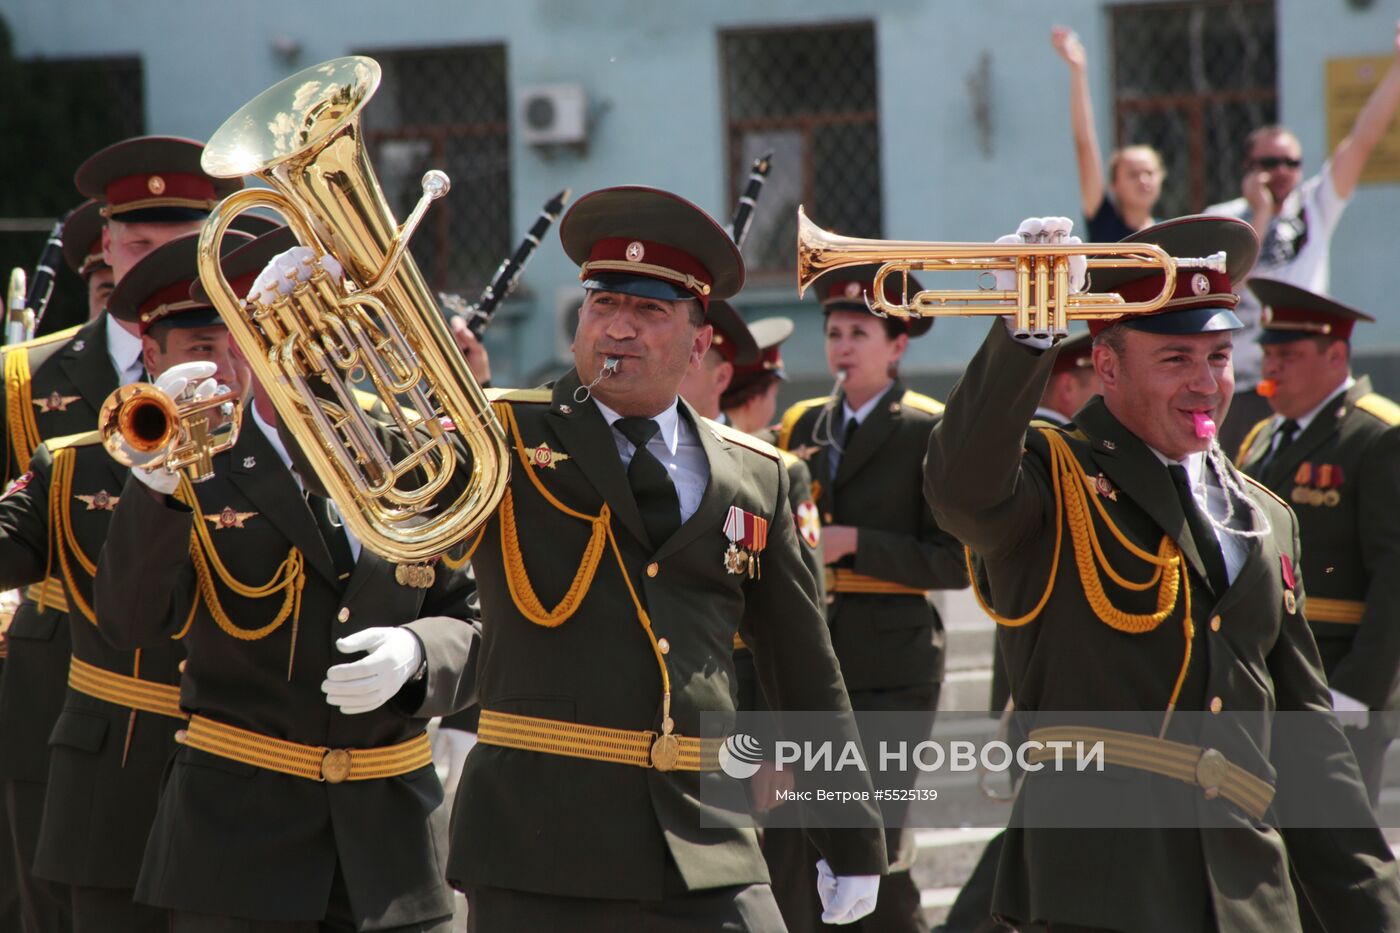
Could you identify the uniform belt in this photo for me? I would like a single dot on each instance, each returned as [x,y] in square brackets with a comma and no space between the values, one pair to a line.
[596,743]
[845,580]
[313,762]
[48,593]
[1346,611]
[1205,767]
[132,692]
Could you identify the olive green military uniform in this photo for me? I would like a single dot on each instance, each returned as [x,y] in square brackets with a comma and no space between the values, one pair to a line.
[261,604]
[990,481]
[53,387]
[580,843]
[119,715]
[1342,476]
[887,634]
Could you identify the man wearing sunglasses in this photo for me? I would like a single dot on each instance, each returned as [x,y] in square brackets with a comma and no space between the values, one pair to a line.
[1295,218]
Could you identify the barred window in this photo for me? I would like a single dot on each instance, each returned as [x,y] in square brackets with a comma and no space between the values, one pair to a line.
[446,108]
[1192,79]
[808,95]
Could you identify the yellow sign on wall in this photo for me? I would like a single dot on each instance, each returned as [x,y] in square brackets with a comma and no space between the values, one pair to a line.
[1350,82]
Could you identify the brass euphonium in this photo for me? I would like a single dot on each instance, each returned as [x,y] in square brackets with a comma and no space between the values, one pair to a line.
[303,137]
[143,427]
[1042,302]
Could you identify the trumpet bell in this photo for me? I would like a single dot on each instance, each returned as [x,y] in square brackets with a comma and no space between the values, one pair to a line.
[137,423]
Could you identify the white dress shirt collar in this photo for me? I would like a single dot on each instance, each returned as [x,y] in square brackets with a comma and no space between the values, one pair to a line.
[124,350]
[1307,419]
[668,421]
[858,415]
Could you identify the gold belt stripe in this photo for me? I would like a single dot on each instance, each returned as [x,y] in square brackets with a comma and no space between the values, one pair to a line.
[845,580]
[312,762]
[131,692]
[49,594]
[1345,611]
[596,743]
[1204,767]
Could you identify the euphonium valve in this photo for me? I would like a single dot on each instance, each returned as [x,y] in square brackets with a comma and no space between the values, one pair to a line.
[380,326]
[1042,302]
[143,428]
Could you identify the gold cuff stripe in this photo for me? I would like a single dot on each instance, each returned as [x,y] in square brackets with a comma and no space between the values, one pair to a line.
[596,743]
[132,692]
[844,580]
[49,594]
[306,761]
[1345,611]
[1175,760]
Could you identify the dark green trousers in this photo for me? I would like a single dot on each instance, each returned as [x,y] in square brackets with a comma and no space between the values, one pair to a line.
[741,909]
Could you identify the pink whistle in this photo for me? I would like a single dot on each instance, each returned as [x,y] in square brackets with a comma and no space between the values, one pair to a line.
[1205,427]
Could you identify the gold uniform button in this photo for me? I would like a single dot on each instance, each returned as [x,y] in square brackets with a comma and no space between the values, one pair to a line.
[653,569]
[1216,704]
[663,646]
[182,666]
[1215,623]
[344,614]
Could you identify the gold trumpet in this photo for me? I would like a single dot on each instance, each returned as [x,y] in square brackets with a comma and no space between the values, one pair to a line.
[142,427]
[379,325]
[1042,302]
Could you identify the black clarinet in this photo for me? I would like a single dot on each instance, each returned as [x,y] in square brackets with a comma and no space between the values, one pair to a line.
[508,273]
[743,214]
[25,319]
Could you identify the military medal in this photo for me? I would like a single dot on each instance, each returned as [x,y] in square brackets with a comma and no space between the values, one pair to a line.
[545,457]
[418,576]
[1290,602]
[748,535]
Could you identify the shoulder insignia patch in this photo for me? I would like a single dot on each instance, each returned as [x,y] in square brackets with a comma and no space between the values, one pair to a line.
[920,402]
[84,439]
[809,523]
[1379,407]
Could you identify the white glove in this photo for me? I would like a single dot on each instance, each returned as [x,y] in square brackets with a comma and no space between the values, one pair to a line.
[845,898]
[182,383]
[1042,230]
[287,270]
[450,748]
[1350,711]
[360,686]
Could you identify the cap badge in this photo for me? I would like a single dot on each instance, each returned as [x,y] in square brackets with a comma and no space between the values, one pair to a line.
[156,185]
[79,346]
[852,289]
[635,251]
[249,462]
[1200,284]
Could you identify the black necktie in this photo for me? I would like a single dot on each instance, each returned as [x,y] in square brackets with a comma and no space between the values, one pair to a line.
[651,484]
[847,432]
[1201,531]
[333,534]
[1286,432]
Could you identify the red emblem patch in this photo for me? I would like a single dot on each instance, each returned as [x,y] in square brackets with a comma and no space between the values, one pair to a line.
[20,482]
[809,523]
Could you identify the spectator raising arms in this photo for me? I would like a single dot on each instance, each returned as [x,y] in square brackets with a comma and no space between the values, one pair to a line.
[1135,173]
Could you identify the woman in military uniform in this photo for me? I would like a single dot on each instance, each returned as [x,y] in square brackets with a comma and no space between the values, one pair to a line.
[883,551]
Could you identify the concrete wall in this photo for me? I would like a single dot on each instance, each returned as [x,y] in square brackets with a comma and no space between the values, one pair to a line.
[654,65]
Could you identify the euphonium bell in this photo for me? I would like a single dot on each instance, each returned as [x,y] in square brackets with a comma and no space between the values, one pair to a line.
[142,427]
[379,325]
[1042,302]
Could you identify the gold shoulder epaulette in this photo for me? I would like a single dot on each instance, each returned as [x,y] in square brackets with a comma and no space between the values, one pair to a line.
[1046,425]
[735,436]
[532,396]
[1248,441]
[1380,407]
[82,439]
[58,336]
[1265,489]
[791,416]
[920,402]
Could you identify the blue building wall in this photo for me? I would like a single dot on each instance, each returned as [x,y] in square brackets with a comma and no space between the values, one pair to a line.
[654,65]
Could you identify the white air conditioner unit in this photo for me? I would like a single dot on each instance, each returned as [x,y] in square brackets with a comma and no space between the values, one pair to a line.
[552,114]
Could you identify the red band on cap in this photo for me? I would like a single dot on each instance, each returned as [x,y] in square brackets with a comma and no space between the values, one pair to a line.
[158,189]
[1195,288]
[243,285]
[650,260]
[1308,321]
[165,301]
